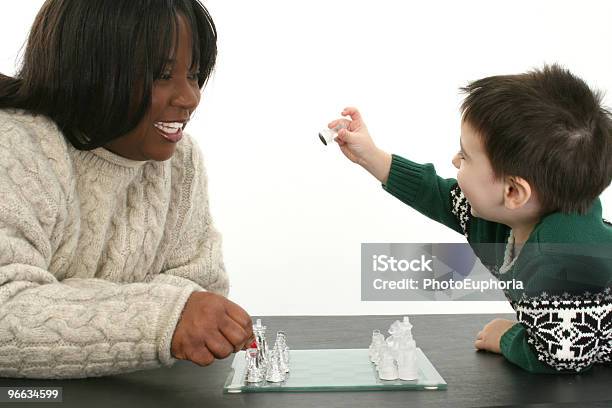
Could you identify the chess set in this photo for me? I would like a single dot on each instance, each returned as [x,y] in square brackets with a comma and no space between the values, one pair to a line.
[392,363]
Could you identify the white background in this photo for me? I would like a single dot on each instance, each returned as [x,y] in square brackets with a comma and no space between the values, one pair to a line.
[293,213]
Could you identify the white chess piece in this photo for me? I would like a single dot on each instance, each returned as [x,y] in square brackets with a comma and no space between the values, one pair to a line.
[282,363]
[254,372]
[274,372]
[406,360]
[328,135]
[259,331]
[281,345]
[387,370]
[378,340]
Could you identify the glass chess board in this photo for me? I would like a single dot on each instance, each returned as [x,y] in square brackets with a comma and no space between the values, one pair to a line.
[332,370]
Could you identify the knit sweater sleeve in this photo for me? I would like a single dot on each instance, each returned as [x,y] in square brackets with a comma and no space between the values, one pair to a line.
[420,187]
[560,330]
[440,199]
[196,259]
[70,328]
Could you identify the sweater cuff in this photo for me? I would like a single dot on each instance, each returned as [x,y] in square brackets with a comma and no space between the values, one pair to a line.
[405,179]
[508,338]
[168,324]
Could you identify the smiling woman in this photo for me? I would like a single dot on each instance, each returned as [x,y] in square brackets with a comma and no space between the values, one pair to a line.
[109,261]
[95,68]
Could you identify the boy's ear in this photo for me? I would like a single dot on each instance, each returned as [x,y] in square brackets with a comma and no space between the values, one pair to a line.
[517,192]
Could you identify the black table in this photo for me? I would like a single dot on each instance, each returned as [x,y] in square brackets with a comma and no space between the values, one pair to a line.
[475,379]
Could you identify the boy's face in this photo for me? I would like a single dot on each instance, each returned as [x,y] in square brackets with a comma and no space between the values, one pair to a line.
[476,178]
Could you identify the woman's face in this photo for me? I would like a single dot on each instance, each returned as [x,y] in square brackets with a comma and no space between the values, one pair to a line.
[174,98]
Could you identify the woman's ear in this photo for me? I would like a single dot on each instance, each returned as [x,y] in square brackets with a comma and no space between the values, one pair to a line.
[517,192]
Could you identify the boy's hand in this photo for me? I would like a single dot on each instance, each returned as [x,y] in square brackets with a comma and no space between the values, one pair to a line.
[490,336]
[357,145]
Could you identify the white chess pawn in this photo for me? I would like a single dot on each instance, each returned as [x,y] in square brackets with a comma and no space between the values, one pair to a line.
[387,370]
[378,340]
[328,135]
[254,372]
[406,361]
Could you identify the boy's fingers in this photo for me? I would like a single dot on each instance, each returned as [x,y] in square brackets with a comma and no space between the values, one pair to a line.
[352,112]
[479,344]
[345,135]
[339,122]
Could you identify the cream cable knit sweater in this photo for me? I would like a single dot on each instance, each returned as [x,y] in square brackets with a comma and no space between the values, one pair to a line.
[98,253]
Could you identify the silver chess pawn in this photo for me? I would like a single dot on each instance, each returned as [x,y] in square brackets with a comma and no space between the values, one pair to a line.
[282,362]
[254,372]
[274,372]
[281,345]
[378,340]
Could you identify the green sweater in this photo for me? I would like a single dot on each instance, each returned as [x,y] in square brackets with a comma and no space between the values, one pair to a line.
[565,310]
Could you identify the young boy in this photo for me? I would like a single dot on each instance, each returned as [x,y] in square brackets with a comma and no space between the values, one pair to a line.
[536,152]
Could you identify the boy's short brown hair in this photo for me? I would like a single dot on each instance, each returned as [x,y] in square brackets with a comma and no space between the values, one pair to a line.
[548,127]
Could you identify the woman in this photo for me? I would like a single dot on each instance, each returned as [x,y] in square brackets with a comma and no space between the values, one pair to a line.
[109,261]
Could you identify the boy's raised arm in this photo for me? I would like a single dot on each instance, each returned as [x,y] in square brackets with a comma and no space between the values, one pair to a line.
[415,184]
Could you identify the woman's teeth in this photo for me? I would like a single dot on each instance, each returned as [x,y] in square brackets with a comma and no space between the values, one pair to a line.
[168,127]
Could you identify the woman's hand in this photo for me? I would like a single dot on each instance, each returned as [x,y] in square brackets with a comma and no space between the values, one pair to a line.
[490,336]
[357,145]
[210,327]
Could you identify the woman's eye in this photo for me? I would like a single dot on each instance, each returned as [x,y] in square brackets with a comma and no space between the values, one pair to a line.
[165,76]
[194,76]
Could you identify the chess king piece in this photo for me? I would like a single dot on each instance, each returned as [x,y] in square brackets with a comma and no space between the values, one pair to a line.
[259,331]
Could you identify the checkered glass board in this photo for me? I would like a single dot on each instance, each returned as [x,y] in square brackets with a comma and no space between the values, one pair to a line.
[332,370]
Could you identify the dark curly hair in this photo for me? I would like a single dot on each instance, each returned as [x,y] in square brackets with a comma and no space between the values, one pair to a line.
[548,127]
